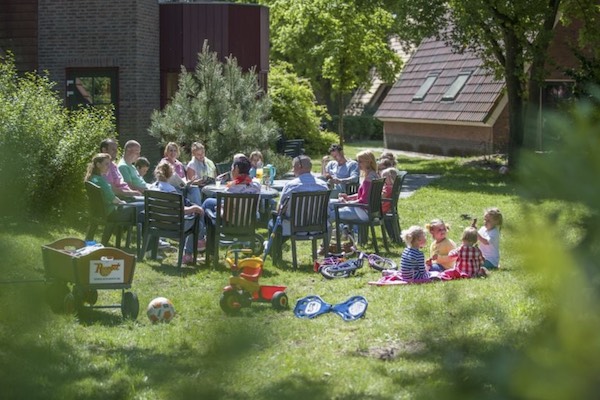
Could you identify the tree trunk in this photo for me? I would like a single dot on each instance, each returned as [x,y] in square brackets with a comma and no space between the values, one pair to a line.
[514,73]
[341,117]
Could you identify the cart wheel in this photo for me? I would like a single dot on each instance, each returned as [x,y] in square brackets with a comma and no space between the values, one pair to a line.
[55,296]
[90,296]
[130,306]
[230,302]
[280,301]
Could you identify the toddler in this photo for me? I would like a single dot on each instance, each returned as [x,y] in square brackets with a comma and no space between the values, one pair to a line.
[412,261]
[469,260]
[256,161]
[390,175]
[489,237]
[440,247]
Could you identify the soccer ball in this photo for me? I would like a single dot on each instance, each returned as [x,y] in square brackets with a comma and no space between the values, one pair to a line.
[160,310]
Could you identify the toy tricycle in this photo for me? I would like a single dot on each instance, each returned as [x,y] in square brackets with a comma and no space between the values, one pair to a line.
[243,288]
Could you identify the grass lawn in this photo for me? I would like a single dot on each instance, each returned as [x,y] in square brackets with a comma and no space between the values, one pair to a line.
[445,340]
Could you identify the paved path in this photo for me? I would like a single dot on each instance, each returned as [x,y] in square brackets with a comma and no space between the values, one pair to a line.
[412,182]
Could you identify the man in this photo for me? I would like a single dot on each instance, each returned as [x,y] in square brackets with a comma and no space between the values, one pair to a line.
[113,176]
[131,152]
[339,171]
[304,181]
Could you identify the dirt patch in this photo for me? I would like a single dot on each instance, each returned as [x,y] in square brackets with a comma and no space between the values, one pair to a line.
[392,350]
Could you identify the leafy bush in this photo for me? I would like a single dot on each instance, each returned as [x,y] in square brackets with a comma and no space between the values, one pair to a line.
[359,127]
[296,111]
[44,148]
[220,106]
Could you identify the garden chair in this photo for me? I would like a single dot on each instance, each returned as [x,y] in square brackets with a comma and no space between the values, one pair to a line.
[98,216]
[165,218]
[375,217]
[352,187]
[234,222]
[307,221]
[391,219]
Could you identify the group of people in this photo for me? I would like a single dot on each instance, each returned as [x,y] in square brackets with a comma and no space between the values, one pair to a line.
[122,184]
[477,254]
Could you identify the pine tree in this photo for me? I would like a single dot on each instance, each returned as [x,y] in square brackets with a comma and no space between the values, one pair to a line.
[220,106]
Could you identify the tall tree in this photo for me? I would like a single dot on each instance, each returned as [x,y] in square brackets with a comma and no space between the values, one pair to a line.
[334,43]
[512,37]
[219,105]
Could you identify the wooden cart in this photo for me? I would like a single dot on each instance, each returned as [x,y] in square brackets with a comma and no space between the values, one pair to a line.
[75,273]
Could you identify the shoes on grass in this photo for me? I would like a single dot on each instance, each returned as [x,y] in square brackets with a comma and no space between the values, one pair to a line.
[162,244]
[188,259]
[201,244]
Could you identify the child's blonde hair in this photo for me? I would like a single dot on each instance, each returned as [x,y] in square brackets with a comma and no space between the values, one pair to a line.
[256,153]
[197,146]
[163,171]
[393,172]
[436,222]
[496,216]
[411,234]
[469,235]
[388,155]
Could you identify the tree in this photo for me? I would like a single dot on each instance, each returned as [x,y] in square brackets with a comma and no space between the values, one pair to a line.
[295,108]
[511,37]
[334,43]
[218,105]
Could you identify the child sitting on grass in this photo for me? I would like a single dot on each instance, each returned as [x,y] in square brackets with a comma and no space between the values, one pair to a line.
[440,247]
[489,237]
[469,260]
[412,261]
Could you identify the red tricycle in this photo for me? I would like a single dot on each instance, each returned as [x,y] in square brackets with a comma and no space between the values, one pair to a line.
[243,288]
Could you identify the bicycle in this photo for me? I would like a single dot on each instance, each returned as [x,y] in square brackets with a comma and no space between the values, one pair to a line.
[344,268]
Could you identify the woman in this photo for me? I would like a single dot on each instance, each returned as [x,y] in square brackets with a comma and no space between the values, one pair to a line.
[368,169]
[95,171]
[200,170]
[241,182]
[192,193]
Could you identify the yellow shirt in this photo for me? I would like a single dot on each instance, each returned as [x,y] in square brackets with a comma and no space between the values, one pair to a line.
[442,249]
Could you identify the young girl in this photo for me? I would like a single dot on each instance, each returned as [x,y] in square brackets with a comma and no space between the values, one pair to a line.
[162,173]
[412,261]
[469,260]
[390,175]
[256,161]
[440,247]
[489,237]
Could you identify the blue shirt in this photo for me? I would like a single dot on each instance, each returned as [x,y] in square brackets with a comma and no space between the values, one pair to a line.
[306,182]
[412,265]
[347,173]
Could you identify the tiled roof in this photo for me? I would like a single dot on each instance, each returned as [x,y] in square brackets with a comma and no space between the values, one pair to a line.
[473,104]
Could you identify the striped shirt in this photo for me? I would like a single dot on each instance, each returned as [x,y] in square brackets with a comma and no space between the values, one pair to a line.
[412,265]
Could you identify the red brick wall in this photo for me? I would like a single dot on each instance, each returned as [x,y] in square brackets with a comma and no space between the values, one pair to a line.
[107,33]
[18,32]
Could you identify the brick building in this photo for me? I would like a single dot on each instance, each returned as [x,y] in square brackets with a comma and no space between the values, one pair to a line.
[128,52]
[447,103]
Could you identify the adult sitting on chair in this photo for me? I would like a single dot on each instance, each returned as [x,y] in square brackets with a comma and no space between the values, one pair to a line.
[131,152]
[95,174]
[339,171]
[162,173]
[241,183]
[304,181]
[113,176]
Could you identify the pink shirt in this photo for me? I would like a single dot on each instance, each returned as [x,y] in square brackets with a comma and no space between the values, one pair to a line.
[178,167]
[114,177]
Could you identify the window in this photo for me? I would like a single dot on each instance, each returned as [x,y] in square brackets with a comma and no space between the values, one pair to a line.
[422,92]
[97,87]
[456,86]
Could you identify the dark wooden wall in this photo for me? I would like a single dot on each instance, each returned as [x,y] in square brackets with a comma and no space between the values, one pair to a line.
[18,32]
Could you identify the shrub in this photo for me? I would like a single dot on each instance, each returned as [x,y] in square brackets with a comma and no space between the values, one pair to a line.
[295,109]
[44,148]
[359,127]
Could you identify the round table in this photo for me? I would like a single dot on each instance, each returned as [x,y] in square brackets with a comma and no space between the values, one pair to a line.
[213,189]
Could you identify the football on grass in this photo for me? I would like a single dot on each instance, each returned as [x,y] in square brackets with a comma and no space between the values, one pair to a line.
[160,310]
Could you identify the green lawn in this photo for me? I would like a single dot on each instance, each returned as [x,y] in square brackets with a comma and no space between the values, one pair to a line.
[484,338]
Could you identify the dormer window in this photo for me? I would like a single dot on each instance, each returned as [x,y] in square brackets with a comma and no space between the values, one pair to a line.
[422,92]
[456,86]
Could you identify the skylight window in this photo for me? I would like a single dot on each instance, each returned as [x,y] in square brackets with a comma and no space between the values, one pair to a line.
[456,86]
[422,92]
